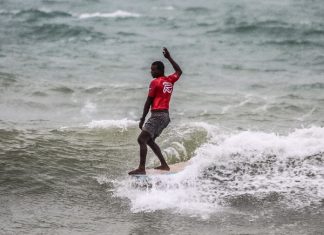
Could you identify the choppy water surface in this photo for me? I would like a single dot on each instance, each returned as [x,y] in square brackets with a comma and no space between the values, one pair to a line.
[247,114]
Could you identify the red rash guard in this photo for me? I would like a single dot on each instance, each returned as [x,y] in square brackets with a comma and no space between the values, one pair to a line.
[161,89]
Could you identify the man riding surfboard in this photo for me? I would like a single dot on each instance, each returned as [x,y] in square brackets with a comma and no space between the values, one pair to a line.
[158,99]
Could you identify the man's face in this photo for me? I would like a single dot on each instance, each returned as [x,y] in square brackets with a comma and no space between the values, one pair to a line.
[155,72]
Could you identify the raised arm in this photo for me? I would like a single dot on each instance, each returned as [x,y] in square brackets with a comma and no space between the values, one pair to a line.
[167,55]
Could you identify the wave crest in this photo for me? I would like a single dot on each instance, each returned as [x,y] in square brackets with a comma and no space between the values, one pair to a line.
[116,14]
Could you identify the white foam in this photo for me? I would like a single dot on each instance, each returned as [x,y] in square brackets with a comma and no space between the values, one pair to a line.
[167,193]
[115,14]
[233,164]
[122,123]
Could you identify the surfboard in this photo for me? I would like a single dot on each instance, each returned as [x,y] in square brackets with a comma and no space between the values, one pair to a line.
[152,176]
[174,168]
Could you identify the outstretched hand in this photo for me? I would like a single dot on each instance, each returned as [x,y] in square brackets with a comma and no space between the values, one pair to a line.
[166,53]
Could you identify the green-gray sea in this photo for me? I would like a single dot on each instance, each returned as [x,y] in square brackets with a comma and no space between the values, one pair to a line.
[247,114]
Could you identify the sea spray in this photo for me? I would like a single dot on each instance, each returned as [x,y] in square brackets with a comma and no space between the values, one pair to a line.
[232,168]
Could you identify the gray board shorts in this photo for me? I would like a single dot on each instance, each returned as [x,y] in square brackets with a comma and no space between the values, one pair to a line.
[156,123]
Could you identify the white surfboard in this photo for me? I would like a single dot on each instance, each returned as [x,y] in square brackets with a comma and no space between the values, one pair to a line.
[174,168]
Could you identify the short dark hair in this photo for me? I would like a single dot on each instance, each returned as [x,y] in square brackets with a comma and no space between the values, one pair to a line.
[159,65]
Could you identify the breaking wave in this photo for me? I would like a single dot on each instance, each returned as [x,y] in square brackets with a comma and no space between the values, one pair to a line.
[237,169]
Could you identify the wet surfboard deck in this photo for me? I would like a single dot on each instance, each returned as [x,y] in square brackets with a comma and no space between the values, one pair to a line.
[174,168]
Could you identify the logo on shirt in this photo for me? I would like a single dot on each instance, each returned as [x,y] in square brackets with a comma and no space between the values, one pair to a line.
[167,87]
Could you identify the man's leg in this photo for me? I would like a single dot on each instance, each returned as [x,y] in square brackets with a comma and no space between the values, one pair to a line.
[156,149]
[142,140]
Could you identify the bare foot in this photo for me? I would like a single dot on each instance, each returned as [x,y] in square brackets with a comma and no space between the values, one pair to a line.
[163,168]
[138,171]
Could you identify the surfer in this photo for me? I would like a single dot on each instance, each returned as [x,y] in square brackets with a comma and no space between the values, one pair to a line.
[158,99]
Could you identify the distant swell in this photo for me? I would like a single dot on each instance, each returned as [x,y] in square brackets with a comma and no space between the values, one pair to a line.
[270,28]
[294,42]
[197,9]
[63,89]
[36,13]
[31,15]
[310,86]
[53,32]
[7,79]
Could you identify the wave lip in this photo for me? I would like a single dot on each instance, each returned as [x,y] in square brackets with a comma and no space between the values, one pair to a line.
[115,14]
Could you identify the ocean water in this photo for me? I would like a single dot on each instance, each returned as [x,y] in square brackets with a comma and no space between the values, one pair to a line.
[247,114]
